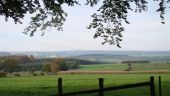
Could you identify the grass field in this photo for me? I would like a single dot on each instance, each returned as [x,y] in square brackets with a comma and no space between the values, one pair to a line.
[47,85]
[102,67]
[122,67]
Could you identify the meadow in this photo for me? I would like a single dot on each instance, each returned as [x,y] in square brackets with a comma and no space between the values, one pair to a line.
[122,67]
[47,85]
[103,67]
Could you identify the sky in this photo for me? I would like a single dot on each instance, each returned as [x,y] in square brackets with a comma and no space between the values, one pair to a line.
[144,33]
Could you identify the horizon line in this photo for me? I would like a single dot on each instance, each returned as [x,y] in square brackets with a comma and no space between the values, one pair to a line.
[87,50]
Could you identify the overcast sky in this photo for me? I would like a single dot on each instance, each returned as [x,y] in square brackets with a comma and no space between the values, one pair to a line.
[145,33]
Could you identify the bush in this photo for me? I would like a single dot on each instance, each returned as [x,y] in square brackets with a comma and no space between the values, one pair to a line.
[128,69]
[17,75]
[42,74]
[133,62]
[34,74]
[3,74]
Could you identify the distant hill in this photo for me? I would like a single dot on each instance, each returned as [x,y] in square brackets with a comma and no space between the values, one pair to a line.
[83,52]
[107,58]
[99,55]
[5,53]
[102,55]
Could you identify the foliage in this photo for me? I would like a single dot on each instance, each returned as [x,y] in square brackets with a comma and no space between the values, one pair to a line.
[3,74]
[1,65]
[46,68]
[34,74]
[63,66]
[139,61]
[24,59]
[21,59]
[17,75]
[49,13]
[25,63]
[129,67]
[72,63]
[10,65]
[55,65]
[52,66]
[67,65]
[42,74]
[112,13]
[29,63]
[60,64]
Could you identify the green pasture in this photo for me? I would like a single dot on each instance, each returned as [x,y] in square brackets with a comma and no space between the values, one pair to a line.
[122,67]
[152,66]
[103,67]
[47,85]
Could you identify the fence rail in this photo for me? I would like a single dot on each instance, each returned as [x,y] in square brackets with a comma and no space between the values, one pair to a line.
[101,88]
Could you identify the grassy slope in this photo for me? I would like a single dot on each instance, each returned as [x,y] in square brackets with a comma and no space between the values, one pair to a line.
[47,85]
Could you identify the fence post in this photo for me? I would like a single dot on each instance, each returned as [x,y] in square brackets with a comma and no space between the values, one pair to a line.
[101,91]
[152,86]
[60,90]
[160,86]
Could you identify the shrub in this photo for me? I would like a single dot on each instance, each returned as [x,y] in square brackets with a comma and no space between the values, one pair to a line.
[3,74]
[42,74]
[17,75]
[138,61]
[128,69]
[34,74]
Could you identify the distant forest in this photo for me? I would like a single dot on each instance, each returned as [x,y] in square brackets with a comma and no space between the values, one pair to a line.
[36,61]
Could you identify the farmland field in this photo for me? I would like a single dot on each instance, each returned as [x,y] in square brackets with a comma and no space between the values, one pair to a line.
[47,85]
[122,67]
[102,67]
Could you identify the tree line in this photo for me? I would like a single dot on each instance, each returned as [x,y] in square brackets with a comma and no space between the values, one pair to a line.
[11,64]
[133,61]
[14,63]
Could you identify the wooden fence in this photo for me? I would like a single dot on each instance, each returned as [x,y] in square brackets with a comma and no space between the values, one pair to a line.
[101,89]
